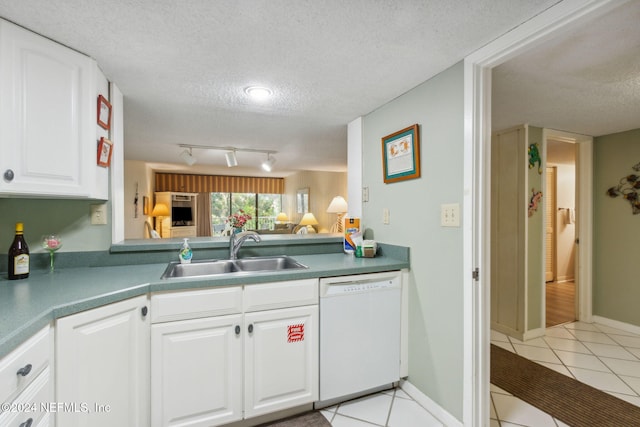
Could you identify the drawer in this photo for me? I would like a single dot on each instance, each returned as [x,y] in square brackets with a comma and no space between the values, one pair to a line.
[195,304]
[33,403]
[269,296]
[32,357]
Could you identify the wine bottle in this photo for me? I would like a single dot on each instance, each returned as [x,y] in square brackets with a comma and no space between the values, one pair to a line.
[18,255]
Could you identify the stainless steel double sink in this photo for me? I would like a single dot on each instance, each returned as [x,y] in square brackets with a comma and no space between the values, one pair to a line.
[230,266]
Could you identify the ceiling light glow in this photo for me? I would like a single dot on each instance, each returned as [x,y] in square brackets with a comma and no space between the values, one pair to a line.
[258,93]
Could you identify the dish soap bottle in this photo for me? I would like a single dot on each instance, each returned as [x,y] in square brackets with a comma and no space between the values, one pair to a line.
[185,253]
[18,267]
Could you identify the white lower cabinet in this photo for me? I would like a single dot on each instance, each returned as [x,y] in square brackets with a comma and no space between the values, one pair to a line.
[26,382]
[214,370]
[102,366]
[196,367]
[281,359]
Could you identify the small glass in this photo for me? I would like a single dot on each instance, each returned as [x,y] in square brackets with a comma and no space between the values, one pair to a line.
[51,243]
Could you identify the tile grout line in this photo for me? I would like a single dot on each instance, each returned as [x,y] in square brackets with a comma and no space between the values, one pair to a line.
[393,399]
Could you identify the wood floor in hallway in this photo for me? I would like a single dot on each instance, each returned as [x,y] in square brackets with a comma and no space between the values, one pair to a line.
[560,299]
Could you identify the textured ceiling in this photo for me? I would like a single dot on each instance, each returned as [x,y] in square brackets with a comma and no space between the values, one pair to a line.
[586,81]
[183,65]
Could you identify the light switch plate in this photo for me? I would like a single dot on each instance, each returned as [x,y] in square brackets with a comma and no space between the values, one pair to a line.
[450,215]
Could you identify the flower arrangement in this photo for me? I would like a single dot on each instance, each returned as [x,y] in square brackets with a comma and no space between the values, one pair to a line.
[238,219]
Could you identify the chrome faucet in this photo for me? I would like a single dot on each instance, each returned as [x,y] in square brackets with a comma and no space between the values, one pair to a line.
[236,240]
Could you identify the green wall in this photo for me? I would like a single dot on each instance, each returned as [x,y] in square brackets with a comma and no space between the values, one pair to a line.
[535,238]
[436,297]
[68,218]
[616,288]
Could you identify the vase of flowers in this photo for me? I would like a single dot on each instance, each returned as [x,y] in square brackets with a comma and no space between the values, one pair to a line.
[238,220]
[51,243]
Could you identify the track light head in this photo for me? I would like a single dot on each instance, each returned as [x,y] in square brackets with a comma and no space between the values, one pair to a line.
[268,164]
[231,158]
[187,157]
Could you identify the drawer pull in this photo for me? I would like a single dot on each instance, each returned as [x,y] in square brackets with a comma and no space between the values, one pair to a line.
[250,328]
[144,311]
[237,329]
[27,423]
[24,371]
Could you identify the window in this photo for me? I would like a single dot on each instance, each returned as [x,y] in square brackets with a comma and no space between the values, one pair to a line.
[263,209]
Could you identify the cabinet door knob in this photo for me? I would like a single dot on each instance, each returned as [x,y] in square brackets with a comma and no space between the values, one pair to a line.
[25,370]
[144,311]
[27,423]
[237,329]
[250,328]
[8,175]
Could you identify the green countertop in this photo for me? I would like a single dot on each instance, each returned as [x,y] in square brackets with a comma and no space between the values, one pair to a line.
[28,305]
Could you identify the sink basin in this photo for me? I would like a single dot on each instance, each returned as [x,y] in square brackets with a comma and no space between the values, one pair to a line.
[268,263]
[226,266]
[199,268]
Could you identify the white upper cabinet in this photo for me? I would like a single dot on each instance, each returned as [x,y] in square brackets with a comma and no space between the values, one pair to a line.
[48,141]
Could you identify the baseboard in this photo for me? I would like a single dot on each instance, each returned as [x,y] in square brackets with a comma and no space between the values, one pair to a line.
[627,327]
[533,333]
[507,331]
[423,400]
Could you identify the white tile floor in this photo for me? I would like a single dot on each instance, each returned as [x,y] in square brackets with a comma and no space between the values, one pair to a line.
[393,408]
[603,357]
[600,356]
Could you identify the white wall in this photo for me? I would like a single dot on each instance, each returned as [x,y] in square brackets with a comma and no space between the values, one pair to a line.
[436,297]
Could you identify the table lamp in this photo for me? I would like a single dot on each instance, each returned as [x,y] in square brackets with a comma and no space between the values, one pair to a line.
[338,206]
[282,218]
[159,211]
[309,220]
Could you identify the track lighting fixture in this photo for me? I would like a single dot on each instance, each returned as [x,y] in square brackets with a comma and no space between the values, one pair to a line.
[230,155]
[187,157]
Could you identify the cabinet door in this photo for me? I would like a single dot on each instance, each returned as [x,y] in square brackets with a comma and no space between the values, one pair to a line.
[47,139]
[102,362]
[281,359]
[196,372]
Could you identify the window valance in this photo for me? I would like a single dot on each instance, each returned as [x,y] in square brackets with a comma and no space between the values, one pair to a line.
[186,183]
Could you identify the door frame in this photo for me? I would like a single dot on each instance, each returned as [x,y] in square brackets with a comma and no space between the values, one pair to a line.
[562,17]
[584,220]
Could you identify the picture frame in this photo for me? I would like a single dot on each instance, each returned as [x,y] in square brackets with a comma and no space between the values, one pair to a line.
[105,148]
[401,155]
[302,201]
[145,205]
[104,112]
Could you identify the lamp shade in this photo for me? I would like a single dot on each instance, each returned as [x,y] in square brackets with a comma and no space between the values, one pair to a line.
[282,217]
[338,205]
[308,219]
[160,209]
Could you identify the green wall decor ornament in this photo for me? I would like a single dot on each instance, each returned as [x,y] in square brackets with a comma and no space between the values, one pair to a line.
[628,189]
[534,157]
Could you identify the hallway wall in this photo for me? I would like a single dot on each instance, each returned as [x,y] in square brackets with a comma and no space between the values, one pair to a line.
[616,230]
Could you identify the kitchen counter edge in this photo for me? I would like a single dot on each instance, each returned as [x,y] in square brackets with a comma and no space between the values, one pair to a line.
[26,306]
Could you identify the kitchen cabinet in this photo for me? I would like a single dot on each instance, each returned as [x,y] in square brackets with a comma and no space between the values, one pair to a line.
[48,145]
[102,362]
[26,382]
[227,353]
[281,359]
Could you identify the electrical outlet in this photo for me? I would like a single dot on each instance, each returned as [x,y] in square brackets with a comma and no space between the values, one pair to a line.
[99,214]
[450,215]
[385,216]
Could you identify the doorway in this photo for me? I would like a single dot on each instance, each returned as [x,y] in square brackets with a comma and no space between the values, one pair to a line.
[560,232]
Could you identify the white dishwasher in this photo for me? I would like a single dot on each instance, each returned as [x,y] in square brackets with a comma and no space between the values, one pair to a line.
[359,333]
